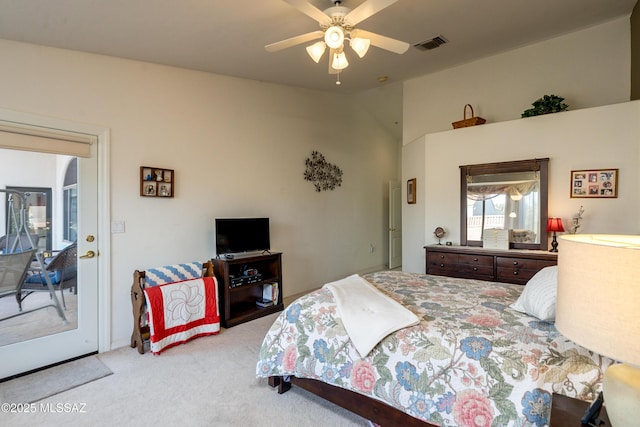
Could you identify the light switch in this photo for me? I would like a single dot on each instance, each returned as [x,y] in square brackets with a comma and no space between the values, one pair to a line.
[117,226]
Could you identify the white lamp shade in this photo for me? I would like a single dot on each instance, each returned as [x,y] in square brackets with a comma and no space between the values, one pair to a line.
[598,307]
[316,50]
[360,45]
[599,294]
[339,61]
[334,37]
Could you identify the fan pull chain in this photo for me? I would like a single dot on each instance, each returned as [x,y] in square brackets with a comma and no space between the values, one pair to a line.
[338,82]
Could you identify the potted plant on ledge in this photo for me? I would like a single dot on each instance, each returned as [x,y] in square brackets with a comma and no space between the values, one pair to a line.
[546,105]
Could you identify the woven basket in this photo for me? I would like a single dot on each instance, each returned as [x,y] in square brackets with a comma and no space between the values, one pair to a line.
[468,122]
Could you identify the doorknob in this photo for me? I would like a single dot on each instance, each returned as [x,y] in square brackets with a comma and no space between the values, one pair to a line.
[89,254]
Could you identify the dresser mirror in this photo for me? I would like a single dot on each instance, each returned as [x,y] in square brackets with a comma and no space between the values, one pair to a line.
[506,195]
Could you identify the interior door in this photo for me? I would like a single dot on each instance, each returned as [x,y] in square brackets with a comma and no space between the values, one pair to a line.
[74,339]
[395,224]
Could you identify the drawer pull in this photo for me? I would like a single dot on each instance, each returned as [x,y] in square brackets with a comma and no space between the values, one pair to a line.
[441,265]
[475,259]
[441,256]
[515,273]
[475,268]
[515,262]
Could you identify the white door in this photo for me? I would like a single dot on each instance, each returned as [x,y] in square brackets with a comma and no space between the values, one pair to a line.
[395,224]
[33,353]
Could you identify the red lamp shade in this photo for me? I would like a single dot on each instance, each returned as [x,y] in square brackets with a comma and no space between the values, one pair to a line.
[554,224]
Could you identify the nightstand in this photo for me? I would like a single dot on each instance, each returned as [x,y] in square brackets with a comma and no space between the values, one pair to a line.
[567,412]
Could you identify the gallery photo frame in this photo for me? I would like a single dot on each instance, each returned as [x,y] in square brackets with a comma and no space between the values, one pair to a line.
[411,191]
[594,183]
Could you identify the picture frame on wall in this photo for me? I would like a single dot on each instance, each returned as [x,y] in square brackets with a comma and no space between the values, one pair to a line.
[157,182]
[594,183]
[411,191]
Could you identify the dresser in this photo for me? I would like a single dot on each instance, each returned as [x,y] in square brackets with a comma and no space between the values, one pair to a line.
[510,266]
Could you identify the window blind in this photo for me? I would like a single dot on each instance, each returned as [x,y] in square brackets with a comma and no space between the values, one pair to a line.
[19,136]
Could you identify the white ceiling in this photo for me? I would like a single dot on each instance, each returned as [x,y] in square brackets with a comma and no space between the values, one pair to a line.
[228,37]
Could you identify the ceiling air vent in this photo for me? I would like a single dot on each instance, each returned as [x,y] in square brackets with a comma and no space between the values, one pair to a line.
[431,43]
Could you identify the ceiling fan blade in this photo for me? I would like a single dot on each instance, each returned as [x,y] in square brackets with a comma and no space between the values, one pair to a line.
[366,9]
[383,42]
[310,10]
[293,41]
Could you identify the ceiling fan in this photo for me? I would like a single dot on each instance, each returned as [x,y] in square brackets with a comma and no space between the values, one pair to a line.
[337,24]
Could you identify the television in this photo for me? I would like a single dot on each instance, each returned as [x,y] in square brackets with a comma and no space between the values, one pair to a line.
[237,235]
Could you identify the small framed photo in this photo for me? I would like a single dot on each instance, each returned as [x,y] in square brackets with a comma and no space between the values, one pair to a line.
[596,183]
[150,188]
[411,191]
[164,190]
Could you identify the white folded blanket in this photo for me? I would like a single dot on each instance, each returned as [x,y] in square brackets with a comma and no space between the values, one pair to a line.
[367,314]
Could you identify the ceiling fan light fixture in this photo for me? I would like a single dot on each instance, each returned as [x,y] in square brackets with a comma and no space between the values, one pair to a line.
[316,50]
[339,61]
[334,37]
[360,45]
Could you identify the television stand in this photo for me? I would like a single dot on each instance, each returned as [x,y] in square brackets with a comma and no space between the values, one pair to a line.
[238,301]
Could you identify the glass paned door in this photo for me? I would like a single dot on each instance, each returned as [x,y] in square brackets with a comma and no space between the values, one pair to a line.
[43,337]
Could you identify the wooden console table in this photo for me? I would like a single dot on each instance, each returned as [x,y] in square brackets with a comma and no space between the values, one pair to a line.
[510,266]
[238,303]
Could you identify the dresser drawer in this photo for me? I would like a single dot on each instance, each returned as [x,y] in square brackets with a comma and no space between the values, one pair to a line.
[442,263]
[514,275]
[437,257]
[517,263]
[477,260]
[519,270]
[476,271]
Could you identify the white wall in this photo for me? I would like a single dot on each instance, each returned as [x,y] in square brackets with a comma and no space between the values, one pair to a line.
[238,148]
[595,138]
[588,68]
[413,166]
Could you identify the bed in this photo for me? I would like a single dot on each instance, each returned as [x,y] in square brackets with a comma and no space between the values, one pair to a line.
[472,360]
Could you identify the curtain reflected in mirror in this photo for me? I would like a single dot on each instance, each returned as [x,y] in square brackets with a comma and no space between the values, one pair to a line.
[504,201]
[507,196]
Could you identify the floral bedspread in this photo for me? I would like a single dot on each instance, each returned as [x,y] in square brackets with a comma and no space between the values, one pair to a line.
[472,361]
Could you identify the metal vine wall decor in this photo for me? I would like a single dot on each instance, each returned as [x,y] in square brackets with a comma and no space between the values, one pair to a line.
[323,174]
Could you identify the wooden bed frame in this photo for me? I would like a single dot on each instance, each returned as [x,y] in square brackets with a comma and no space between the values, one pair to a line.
[141,333]
[371,409]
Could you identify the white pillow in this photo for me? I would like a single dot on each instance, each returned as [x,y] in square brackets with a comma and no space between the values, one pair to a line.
[538,299]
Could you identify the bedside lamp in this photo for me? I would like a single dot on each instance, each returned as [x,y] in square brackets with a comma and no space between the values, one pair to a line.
[598,307]
[554,224]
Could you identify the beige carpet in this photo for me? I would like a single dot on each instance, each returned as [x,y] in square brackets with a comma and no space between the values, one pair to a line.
[207,382]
